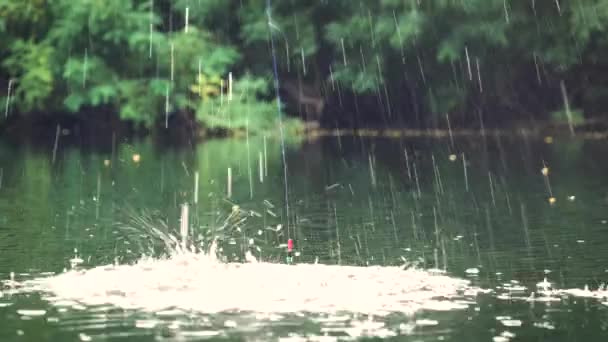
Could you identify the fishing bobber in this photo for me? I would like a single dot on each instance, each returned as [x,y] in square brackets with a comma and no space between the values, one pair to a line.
[452,157]
[290,251]
[551,200]
[545,171]
[106,162]
[136,158]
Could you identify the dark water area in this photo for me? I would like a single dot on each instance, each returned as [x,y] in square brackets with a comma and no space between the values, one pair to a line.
[501,212]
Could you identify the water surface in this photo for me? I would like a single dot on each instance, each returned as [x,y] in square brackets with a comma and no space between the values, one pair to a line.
[418,240]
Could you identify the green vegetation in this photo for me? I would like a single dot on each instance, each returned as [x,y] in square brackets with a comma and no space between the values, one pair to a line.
[148,60]
[67,56]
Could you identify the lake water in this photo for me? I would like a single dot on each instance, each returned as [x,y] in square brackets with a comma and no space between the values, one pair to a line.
[480,239]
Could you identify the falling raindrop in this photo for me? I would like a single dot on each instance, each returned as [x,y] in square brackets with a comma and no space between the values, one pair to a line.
[466,51]
[343,51]
[261,166]
[97,197]
[186,20]
[56,144]
[249,171]
[167,107]
[567,106]
[407,164]
[447,119]
[172,61]
[229,183]
[337,236]
[421,68]
[479,75]
[303,61]
[195,187]
[372,173]
[537,68]
[491,188]
[85,68]
[151,17]
[417,182]
[150,40]
[183,227]
[464,168]
[230,86]
[8,97]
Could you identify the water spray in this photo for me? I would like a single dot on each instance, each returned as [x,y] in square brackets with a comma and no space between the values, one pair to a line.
[183,227]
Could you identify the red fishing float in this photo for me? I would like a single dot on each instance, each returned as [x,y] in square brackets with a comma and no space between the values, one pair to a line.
[290,245]
[290,251]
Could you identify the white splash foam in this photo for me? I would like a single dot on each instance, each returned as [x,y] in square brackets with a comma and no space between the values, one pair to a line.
[199,283]
[32,313]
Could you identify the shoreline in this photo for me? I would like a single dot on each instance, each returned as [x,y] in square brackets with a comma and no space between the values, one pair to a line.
[105,129]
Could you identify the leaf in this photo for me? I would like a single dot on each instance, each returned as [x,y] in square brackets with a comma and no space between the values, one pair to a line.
[73,102]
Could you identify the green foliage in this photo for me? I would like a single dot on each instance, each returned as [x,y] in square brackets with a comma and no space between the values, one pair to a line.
[31,64]
[291,22]
[440,43]
[135,56]
[243,111]
[91,83]
[445,99]
[117,54]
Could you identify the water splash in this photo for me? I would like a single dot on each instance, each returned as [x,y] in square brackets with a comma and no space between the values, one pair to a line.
[198,282]
[192,276]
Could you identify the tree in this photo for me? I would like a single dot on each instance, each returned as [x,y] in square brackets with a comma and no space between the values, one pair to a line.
[411,61]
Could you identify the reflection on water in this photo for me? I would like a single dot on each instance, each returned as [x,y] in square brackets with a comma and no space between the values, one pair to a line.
[519,218]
